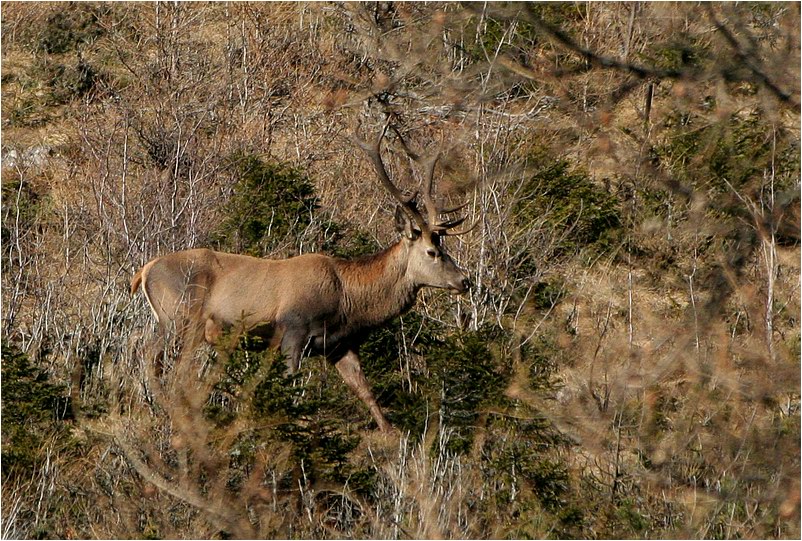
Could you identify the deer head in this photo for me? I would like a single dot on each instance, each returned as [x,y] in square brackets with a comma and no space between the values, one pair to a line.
[428,264]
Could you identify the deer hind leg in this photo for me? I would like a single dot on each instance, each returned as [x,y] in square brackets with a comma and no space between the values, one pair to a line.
[156,352]
[162,351]
[177,303]
[351,371]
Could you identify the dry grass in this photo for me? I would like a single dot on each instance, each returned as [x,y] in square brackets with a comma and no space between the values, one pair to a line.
[676,348]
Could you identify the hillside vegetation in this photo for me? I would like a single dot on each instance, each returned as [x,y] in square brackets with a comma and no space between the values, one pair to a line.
[625,366]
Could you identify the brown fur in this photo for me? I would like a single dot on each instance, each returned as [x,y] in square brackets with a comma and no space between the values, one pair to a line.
[310,302]
[135,281]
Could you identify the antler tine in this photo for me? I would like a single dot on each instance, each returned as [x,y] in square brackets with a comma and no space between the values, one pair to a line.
[444,227]
[428,200]
[456,223]
[455,209]
[450,224]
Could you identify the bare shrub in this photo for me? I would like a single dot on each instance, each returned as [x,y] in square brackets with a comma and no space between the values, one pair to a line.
[644,380]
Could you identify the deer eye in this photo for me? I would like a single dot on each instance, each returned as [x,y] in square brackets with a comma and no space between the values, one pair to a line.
[431,253]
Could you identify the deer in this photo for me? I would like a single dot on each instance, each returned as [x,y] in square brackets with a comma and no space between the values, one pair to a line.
[311,303]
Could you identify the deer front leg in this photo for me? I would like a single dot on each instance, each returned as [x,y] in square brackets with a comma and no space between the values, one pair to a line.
[293,343]
[351,371]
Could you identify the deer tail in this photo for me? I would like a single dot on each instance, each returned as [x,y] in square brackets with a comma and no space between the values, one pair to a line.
[136,280]
[140,279]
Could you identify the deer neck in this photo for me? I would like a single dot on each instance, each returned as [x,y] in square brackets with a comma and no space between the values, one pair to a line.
[376,288]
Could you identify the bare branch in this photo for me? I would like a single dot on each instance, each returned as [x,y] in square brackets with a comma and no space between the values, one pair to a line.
[750,60]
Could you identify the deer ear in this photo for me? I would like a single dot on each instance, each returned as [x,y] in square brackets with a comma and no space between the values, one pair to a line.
[404,225]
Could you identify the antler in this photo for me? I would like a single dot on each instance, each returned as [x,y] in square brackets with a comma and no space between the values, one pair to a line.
[373,152]
[430,223]
[433,212]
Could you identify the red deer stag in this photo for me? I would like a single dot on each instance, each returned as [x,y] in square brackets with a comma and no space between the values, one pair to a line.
[311,302]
